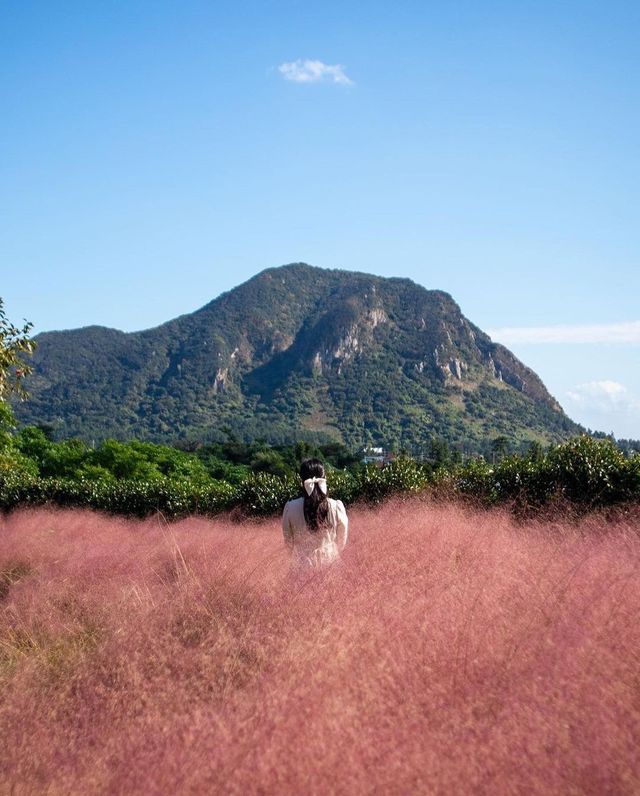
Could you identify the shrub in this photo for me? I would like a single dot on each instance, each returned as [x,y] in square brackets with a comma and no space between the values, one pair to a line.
[264,493]
[590,471]
[587,473]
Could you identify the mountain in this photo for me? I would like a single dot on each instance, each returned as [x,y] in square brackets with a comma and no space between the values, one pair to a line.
[295,352]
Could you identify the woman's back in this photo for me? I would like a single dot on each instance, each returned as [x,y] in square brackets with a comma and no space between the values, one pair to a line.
[315,547]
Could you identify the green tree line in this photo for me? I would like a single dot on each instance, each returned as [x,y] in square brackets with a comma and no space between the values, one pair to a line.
[140,478]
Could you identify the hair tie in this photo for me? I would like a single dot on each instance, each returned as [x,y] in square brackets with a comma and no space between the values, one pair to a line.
[310,483]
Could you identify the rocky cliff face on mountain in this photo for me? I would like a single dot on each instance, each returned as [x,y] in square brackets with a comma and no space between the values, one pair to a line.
[296,352]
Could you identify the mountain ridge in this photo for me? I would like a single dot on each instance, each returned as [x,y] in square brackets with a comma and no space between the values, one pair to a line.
[295,351]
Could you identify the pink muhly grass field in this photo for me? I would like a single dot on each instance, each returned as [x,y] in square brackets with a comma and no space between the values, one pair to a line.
[449,652]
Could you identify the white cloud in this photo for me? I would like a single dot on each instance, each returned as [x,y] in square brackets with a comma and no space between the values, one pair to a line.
[604,396]
[627,332]
[308,71]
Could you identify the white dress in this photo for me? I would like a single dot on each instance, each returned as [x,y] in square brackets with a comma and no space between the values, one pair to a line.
[314,548]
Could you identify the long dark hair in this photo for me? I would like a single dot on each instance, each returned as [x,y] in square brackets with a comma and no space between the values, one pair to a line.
[316,505]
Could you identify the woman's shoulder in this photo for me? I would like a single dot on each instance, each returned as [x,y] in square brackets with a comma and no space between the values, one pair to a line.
[338,506]
[292,504]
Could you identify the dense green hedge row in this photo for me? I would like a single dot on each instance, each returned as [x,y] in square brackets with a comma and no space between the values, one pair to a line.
[133,497]
[262,494]
[587,472]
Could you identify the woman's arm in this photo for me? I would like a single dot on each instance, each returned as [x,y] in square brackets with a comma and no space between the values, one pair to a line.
[287,530]
[342,527]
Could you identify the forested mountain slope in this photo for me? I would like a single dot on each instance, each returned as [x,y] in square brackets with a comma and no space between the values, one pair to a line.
[295,352]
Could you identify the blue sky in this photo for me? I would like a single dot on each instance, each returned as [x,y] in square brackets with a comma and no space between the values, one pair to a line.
[155,154]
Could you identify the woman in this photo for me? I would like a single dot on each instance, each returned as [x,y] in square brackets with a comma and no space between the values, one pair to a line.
[314,526]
